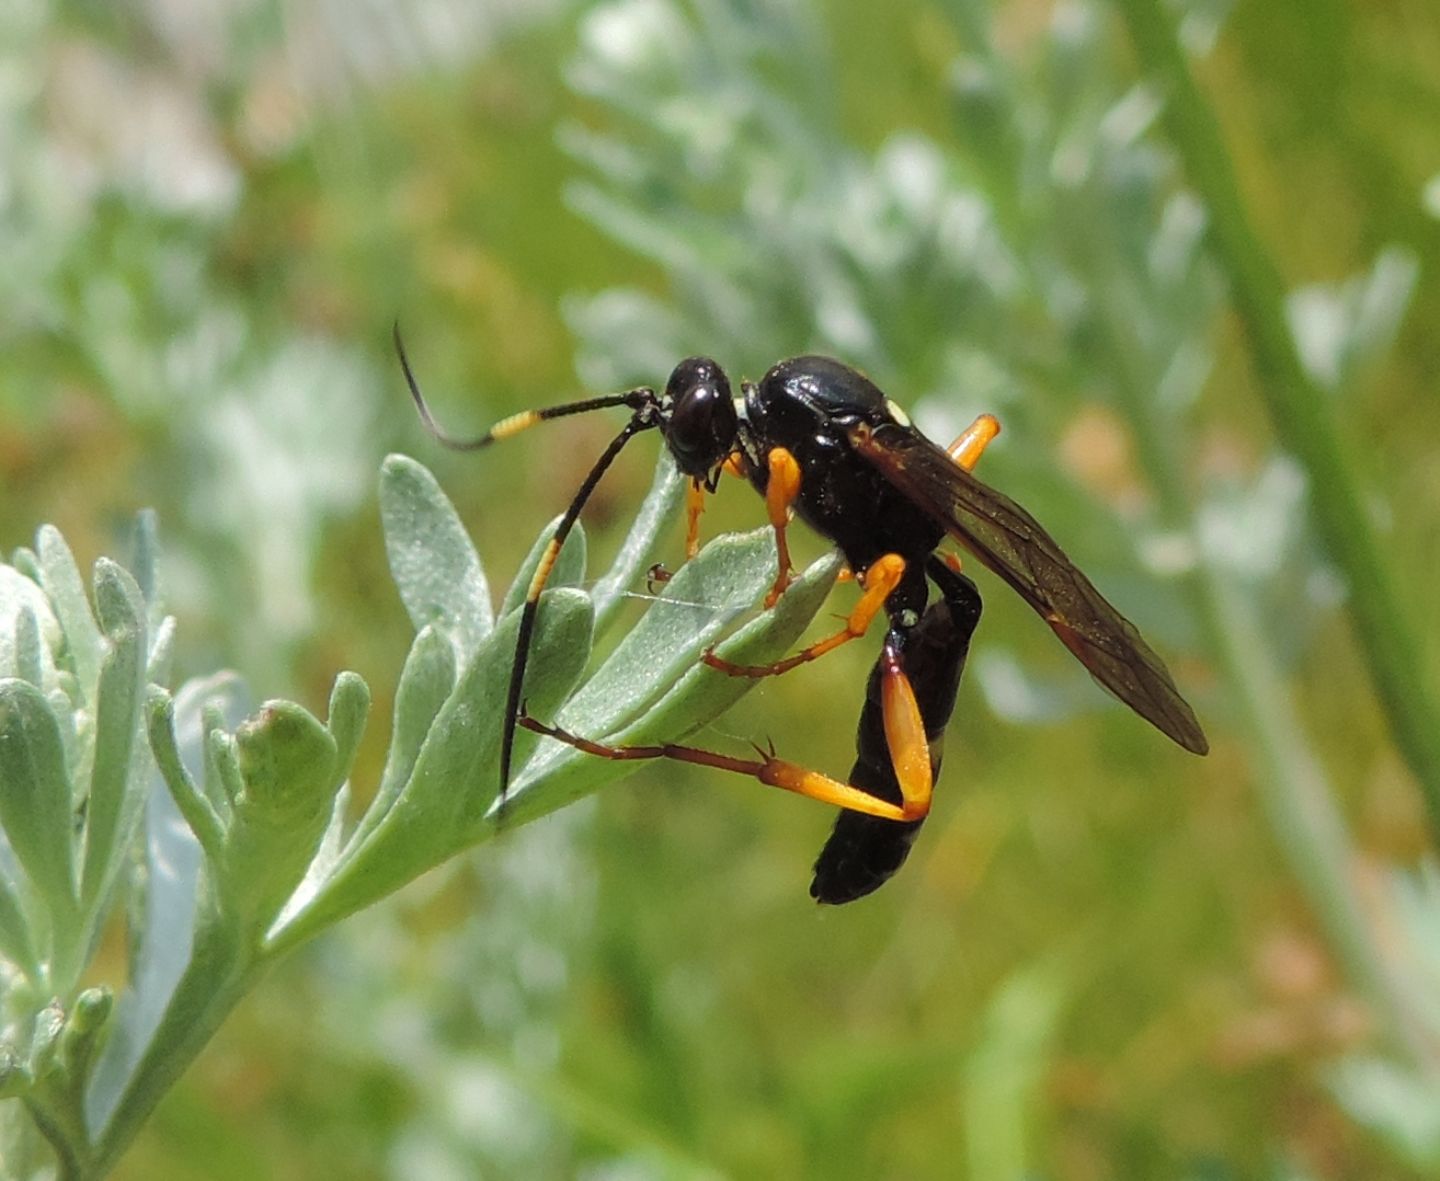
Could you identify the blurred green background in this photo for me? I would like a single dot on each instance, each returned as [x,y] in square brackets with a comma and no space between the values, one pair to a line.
[1105,958]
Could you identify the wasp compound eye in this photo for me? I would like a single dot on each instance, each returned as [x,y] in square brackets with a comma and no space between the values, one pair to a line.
[703,423]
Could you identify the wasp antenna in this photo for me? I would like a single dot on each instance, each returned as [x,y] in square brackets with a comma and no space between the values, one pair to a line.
[516,422]
[515,696]
[428,419]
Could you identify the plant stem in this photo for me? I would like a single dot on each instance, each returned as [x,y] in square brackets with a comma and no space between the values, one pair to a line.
[1296,794]
[1290,782]
[1300,410]
[219,975]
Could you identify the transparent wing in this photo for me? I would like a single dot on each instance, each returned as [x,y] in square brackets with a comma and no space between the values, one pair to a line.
[1013,544]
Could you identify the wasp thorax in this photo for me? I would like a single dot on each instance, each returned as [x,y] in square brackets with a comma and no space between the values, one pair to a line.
[702,426]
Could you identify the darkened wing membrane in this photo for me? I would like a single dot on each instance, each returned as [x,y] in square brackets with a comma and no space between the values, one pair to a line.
[1013,544]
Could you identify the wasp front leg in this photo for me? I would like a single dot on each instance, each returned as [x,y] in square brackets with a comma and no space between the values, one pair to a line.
[694,507]
[695,500]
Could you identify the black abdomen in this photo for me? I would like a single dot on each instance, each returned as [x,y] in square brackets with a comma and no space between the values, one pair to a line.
[864,852]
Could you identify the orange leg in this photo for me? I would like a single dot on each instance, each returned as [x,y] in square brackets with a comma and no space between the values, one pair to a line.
[780,493]
[904,735]
[879,581]
[967,449]
[695,502]
[694,506]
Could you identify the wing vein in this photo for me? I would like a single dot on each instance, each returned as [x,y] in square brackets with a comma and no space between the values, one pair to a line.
[1012,544]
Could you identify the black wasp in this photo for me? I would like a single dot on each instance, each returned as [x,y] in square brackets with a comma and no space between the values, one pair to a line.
[820,439]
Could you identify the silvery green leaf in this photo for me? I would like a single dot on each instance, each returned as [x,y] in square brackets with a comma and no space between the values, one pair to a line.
[15,1077]
[704,598]
[219,785]
[656,512]
[28,658]
[35,805]
[27,564]
[287,762]
[163,916]
[425,683]
[162,648]
[463,746]
[119,607]
[226,781]
[436,569]
[45,1036]
[15,942]
[76,731]
[119,768]
[327,857]
[349,707]
[118,778]
[1397,1102]
[80,1038]
[144,566]
[66,591]
[20,596]
[441,808]
[704,693]
[701,693]
[199,813]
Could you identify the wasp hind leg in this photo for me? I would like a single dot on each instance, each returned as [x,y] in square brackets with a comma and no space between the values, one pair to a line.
[862,853]
[904,733]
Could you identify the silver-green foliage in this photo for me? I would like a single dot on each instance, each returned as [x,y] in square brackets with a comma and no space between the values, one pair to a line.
[230,838]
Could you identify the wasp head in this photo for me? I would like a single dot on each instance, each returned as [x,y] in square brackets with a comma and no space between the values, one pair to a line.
[702,423]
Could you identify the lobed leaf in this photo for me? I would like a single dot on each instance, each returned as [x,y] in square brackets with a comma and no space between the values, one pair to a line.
[66,591]
[436,569]
[442,807]
[425,682]
[288,762]
[35,795]
[163,915]
[117,784]
[657,510]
